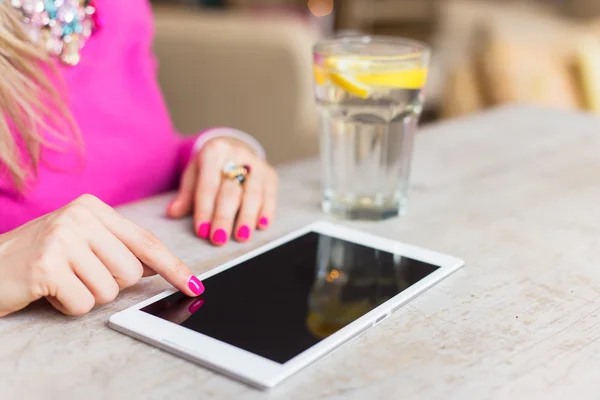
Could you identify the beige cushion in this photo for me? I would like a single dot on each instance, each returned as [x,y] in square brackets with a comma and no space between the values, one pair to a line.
[245,71]
[523,52]
[462,93]
[515,71]
[587,63]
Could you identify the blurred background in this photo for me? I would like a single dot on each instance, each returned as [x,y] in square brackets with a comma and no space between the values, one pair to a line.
[248,63]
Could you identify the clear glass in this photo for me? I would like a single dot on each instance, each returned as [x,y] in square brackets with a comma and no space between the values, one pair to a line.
[369,93]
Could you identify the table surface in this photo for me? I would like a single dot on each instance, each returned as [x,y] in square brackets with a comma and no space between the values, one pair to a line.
[514,192]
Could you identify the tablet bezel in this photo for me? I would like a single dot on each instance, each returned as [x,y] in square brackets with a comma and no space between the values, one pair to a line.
[254,369]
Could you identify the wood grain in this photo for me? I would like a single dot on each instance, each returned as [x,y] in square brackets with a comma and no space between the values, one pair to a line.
[515,192]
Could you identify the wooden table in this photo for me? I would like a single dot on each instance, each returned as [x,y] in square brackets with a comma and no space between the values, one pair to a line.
[515,192]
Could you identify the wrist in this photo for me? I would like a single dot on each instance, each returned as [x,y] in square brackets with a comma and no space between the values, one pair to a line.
[235,135]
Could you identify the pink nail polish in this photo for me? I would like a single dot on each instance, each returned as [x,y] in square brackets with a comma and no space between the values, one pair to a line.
[204,230]
[173,203]
[263,222]
[195,306]
[220,236]
[195,285]
[244,232]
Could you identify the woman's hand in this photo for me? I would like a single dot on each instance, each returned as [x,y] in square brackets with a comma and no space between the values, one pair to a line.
[216,201]
[80,256]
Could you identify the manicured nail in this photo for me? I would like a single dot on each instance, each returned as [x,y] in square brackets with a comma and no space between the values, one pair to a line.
[263,222]
[204,230]
[244,232]
[220,236]
[195,285]
[195,306]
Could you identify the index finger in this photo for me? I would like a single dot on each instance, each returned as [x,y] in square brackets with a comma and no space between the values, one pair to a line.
[146,247]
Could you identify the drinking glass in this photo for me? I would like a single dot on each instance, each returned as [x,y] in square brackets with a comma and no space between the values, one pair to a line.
[369,93]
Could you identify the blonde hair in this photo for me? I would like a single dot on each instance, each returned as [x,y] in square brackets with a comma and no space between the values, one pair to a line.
[29,100]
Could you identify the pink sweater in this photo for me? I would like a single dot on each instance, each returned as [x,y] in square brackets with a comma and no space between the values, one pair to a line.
[131,150]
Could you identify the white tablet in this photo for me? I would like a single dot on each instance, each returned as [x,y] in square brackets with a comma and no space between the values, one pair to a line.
[275,310]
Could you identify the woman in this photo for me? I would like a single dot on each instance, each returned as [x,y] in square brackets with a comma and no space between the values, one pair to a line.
[84,128]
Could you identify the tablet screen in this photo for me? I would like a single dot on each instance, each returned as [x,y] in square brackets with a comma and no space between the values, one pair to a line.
[288,299]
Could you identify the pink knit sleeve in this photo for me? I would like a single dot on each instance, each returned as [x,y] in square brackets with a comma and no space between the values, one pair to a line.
[186,151]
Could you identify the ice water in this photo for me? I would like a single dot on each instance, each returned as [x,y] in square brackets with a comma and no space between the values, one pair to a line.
[369,95]
[366,150]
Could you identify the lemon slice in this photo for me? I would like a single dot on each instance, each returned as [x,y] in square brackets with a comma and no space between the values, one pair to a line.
[321,76]
[354,78]
[403,79]
[351,85]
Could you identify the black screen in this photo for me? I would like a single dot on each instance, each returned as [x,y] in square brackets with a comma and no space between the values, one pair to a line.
[286,300]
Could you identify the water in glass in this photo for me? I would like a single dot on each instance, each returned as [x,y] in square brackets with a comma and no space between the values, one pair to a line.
[369,100]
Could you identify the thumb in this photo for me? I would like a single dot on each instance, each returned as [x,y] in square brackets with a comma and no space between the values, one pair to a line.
[183,203]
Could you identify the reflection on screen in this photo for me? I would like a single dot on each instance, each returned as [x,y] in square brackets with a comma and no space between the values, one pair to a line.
[288,299]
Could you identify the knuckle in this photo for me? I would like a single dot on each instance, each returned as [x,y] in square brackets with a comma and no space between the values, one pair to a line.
[252,201]
[225,213]
[108,294]
[132,275]
[83,306]
[203,212]
[231,189]
[61,218]
[130,278]
[217,145]
[57,237]
[253,192]
[42,267]
[245,152]
[88,200]
[222,218]
[44,270]
[180,268]
[210,186]
[148,242]
[75,213]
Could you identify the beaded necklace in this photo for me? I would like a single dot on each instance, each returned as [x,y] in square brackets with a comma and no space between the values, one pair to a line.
[61,26]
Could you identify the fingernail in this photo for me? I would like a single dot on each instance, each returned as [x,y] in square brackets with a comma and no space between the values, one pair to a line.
[195,306]
[195,285]
[220,236]
[264,222]
[244,232]
[204,230]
